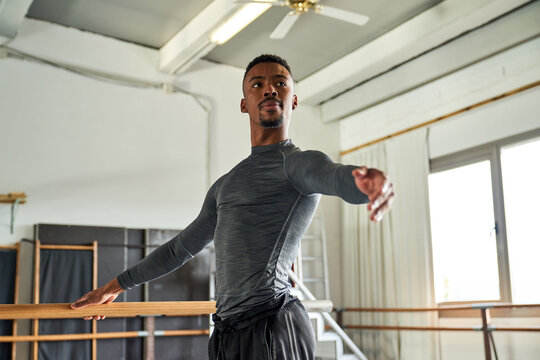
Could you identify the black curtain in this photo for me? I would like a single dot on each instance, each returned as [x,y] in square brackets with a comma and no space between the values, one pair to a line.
[64,276]
[8,262]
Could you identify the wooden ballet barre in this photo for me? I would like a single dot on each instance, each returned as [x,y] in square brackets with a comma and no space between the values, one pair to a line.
[417,328]
[433,328]
[119,309]
[104,335]
[445,308]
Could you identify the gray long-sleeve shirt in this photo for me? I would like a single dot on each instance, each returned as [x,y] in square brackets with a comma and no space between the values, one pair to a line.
[256,214]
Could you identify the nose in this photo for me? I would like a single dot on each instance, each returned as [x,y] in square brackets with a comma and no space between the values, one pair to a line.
[270,91]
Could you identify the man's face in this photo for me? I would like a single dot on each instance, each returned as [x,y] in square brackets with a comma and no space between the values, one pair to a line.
[268,95]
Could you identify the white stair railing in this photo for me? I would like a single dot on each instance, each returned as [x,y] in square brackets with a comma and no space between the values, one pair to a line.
[333,324]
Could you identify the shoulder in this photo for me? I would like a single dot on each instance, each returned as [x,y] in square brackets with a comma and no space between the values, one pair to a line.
[300,164]
[297,157]
[215,186]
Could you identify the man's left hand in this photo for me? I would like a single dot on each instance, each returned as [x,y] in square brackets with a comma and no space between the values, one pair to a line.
[377,186]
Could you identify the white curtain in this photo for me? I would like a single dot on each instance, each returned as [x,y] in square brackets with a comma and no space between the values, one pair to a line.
[389,264]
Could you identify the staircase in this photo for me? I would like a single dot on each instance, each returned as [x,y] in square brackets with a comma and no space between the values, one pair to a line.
[329,344]
[312,261]
[310,276]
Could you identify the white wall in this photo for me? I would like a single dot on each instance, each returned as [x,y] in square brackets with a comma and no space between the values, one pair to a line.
[504,72]
[92,152]
[88,152]
[229,128]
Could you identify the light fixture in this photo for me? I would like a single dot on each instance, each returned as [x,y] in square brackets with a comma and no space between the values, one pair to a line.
[239,21]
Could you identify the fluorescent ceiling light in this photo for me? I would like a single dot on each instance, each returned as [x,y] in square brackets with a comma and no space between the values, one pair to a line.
[238,21]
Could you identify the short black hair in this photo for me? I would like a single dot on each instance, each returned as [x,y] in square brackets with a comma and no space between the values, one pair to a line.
[267,58]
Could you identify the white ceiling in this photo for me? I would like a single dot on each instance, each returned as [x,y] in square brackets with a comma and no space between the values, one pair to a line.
[148,23]
[330,58]
[314,42]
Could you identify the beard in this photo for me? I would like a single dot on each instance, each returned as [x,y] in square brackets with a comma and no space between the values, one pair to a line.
[271,123]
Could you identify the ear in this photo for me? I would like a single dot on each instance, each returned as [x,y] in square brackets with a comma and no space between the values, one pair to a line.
[294,102]
[243,106]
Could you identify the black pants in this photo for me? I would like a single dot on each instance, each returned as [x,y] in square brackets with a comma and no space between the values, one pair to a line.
[281,330]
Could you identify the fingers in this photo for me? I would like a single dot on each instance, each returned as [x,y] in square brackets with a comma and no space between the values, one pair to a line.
[382,204]
[79,304]
[387,185]
[378,213]
[84,302]
[387,189]
[94,297]
[378,188]
[103,295]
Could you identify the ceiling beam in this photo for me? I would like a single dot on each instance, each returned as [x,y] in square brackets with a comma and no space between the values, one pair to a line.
[193,41]
[12,13]
[437,25]
[497,36]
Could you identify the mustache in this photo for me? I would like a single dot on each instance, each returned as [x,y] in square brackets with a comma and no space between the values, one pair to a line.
[273,99]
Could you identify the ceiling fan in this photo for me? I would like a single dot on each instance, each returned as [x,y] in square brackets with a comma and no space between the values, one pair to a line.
[300,7]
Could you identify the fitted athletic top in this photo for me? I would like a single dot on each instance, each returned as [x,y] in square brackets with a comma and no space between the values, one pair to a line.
[256,214]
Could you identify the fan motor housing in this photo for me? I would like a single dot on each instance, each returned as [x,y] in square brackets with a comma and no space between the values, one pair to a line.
[303,5]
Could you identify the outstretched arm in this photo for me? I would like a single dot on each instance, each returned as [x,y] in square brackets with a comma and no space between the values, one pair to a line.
[314,172]
[166,258]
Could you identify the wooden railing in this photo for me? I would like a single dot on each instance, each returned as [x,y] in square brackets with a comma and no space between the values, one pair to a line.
[117,309]
[113,310]
[484,309]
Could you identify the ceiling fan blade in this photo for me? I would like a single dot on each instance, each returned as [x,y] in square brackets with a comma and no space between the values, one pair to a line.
[344,15]
[285,25]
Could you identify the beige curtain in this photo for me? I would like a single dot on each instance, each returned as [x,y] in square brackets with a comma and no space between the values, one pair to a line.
[389,264]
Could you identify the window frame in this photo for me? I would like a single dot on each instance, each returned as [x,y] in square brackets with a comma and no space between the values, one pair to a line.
[492,152]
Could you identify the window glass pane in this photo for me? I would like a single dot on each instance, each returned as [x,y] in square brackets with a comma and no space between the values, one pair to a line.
[521,181]
[463,236]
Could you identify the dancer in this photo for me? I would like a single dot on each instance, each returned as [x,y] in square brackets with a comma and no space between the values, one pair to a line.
[256,215]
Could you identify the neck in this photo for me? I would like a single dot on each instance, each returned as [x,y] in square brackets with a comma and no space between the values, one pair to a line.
[268,136]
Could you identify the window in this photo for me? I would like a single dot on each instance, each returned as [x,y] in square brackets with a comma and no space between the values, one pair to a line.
[521,180]
[484,206]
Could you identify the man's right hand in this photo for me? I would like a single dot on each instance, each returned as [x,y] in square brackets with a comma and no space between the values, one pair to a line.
[104,295]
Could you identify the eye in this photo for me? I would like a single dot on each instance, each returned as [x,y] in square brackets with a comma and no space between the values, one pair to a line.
[255,85]
[282,83]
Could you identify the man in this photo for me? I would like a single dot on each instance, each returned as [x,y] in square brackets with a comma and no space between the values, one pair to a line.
[256,214]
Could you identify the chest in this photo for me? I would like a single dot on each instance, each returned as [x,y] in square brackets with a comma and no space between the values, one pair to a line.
[255,182]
